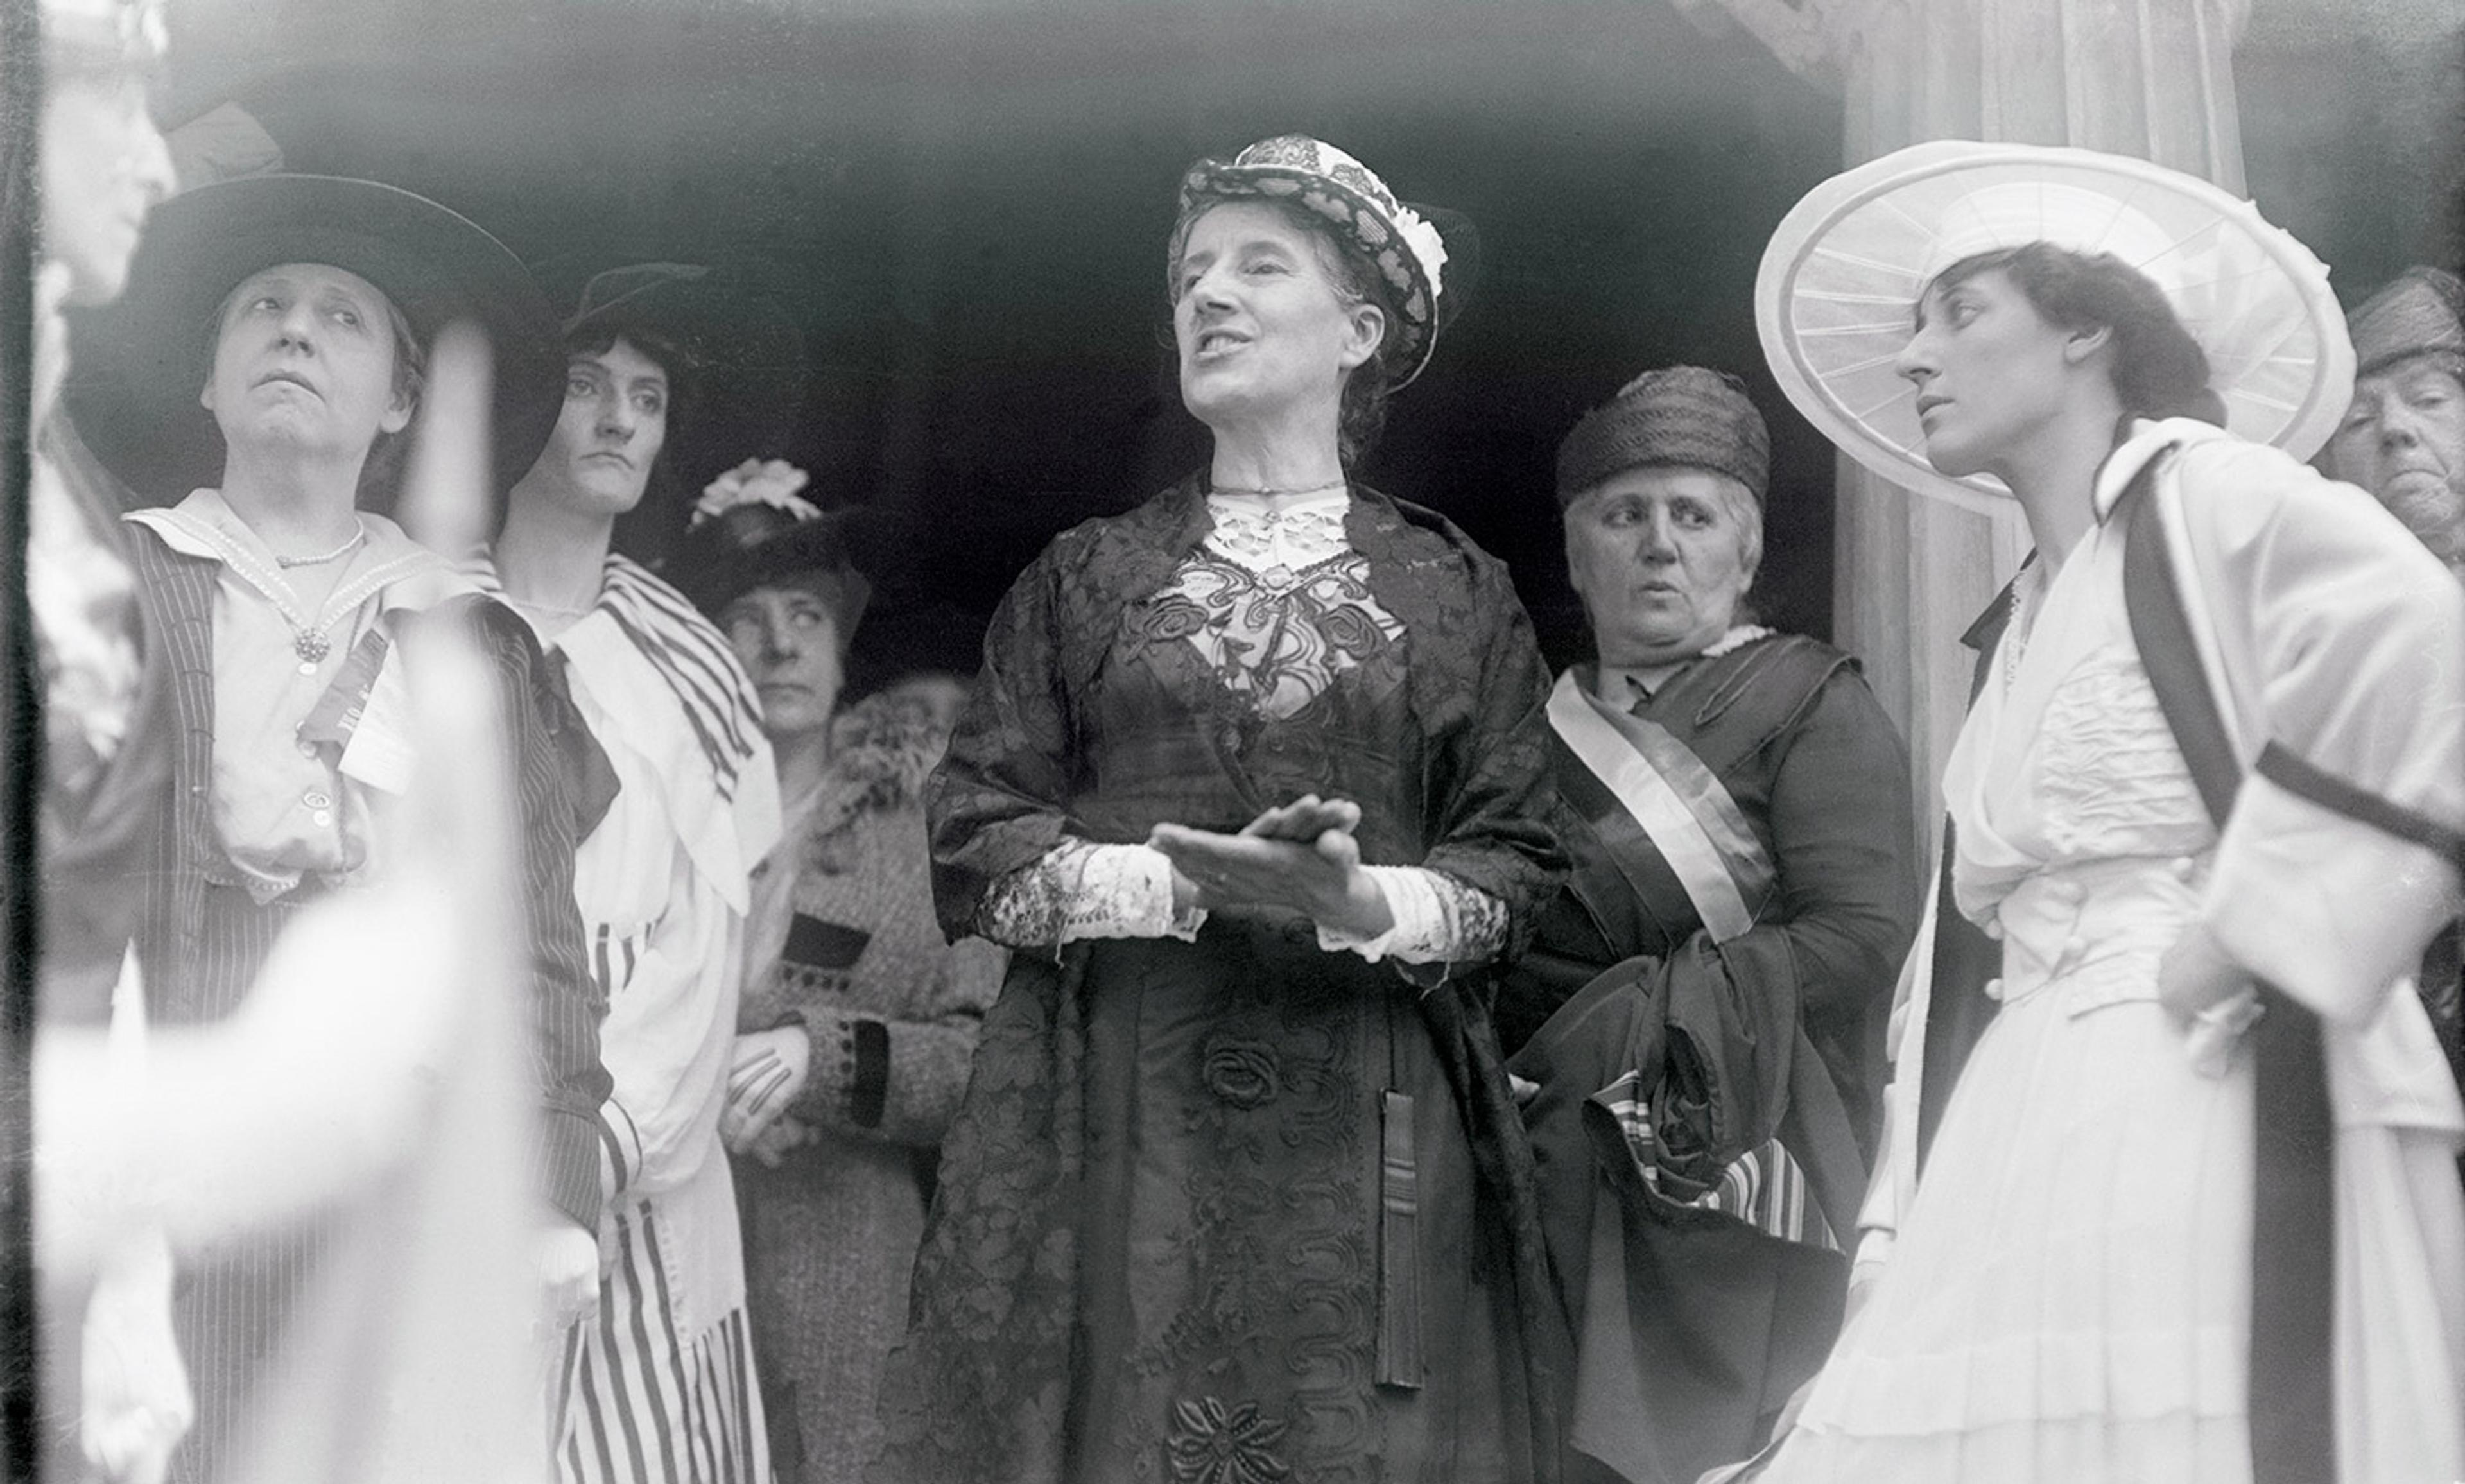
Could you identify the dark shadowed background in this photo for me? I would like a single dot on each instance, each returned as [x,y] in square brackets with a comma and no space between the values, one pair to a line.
[964,203]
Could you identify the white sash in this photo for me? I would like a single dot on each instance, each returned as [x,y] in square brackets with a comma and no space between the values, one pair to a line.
[1584,724]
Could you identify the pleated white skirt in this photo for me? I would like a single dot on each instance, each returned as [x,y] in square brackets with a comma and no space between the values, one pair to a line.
[2069,1299]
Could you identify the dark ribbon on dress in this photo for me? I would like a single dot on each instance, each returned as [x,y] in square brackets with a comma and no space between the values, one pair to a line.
[1964,957]
[2293,1412]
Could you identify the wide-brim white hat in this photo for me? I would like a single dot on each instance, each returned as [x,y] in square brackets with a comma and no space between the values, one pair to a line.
[1840,284]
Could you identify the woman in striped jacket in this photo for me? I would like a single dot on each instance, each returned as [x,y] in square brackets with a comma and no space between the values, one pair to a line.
[658,1383]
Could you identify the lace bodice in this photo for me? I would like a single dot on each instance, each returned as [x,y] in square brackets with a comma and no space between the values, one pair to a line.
[1275,601]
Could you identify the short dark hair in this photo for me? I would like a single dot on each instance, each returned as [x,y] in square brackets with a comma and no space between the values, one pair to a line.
[678,361]
[1362,414]
[681,364]
[2159,369]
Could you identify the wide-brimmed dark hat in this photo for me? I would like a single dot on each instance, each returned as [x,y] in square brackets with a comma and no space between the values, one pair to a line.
[140,363]
[753,544]
[1410,253]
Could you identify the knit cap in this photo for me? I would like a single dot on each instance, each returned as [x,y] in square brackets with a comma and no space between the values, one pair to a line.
[2415,314]
[1678,414]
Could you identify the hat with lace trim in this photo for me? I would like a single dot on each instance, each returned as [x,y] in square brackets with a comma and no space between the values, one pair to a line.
[1401,243]
[1840,282]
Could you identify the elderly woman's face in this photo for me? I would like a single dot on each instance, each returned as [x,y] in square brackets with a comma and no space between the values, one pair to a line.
[1260,323]
[2403,440]
[104,167]
[1989,368]
[305,360]
[1660,557]
[786,636]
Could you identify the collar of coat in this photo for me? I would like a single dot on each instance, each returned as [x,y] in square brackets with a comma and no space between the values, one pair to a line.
[882,751]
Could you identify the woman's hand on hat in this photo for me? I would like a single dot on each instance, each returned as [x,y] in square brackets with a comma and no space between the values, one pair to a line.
[757,481]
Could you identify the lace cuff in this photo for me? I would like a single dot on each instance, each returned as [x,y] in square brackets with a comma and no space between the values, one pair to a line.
[1438,919]
[1079,890]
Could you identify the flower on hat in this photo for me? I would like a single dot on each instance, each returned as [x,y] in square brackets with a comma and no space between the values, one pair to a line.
[1426,245]
[756,482]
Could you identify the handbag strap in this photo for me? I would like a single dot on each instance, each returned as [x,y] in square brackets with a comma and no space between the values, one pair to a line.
[2292,1410]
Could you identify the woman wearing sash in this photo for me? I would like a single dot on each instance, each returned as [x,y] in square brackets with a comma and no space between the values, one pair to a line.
[1237,1190]
[1714,974]
[2097,1277]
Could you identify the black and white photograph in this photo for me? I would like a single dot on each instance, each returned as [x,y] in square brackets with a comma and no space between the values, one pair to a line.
[1233,742]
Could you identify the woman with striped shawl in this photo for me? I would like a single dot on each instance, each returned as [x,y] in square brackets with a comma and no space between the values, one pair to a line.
[658,1383]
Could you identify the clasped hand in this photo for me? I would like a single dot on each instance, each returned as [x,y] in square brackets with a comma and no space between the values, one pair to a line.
[765,1074]
[1299,858]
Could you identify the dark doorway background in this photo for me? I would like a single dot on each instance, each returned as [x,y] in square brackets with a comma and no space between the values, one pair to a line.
[965,207]
[962,203]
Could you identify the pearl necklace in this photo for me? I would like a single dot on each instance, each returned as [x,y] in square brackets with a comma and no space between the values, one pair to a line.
[359,534]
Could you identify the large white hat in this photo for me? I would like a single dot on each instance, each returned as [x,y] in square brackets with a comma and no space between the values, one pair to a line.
[1834,298]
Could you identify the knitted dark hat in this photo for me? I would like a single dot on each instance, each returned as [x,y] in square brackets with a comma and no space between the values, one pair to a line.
[2417,313]
[1678,414]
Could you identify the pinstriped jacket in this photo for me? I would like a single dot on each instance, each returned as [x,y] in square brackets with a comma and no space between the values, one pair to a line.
[203,940]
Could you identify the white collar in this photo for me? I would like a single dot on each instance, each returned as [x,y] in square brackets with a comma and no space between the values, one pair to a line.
[2148,437]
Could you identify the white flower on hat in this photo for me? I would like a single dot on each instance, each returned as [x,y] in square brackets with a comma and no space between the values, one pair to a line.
[756,482]
[1426,245]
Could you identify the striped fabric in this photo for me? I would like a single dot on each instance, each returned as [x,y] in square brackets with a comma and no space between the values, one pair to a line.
[203,939]
[614,955]
[1763,1187]
[687,649]
[642,1404]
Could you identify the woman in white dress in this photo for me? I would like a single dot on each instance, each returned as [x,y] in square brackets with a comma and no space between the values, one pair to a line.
[658,1384]
[2068,1294]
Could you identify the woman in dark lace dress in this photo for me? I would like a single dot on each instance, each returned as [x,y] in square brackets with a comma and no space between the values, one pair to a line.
[1252,783]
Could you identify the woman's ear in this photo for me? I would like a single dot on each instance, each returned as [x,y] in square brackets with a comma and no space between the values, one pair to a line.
[399,411]
[2085,342]
[1367,324]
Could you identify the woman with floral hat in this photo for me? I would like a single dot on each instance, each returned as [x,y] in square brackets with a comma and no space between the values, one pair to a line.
[658,1383]
[1251,786]
[858,1019]
[2187,1213]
